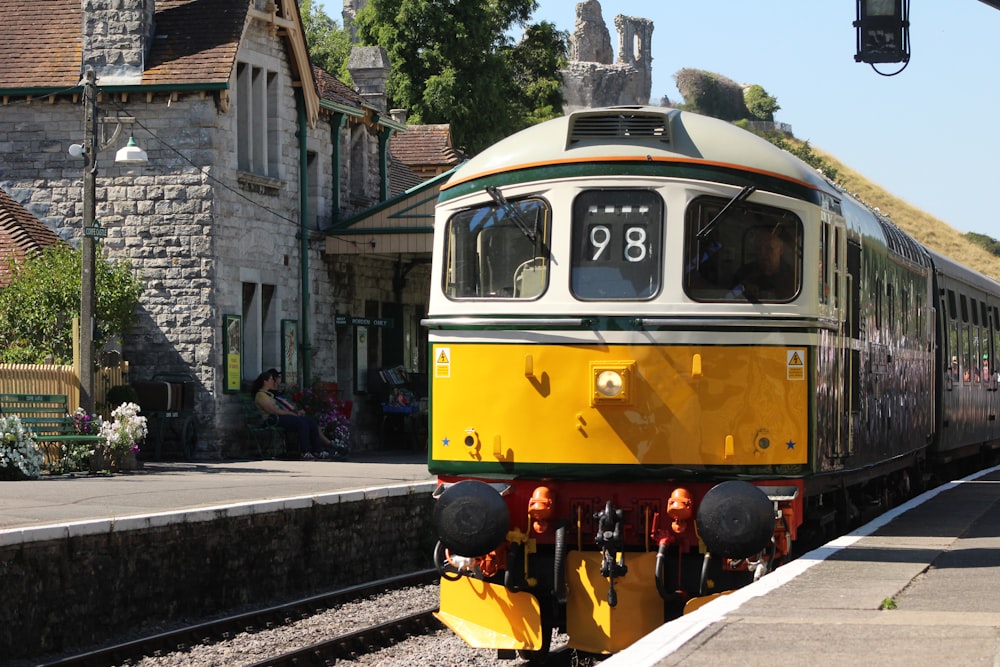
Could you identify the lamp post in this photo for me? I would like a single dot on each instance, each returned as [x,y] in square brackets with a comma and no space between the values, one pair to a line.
[883,32]
[92,230]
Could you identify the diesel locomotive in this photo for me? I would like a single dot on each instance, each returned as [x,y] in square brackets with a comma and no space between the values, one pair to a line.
[662,352]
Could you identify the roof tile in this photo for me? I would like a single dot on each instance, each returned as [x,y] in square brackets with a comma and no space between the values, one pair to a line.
[21,234]
[426,145]
[195,43]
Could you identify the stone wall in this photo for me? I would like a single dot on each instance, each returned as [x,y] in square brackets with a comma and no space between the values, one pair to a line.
[196,229]
[143,574]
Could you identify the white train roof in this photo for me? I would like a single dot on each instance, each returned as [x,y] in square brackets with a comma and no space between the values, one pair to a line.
[637,132]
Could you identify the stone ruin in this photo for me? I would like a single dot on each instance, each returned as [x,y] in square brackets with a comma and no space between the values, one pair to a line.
[593,78]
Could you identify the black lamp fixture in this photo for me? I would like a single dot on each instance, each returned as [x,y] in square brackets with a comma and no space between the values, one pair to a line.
[883,33]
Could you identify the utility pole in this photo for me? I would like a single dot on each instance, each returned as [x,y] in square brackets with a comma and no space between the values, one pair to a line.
[87,281]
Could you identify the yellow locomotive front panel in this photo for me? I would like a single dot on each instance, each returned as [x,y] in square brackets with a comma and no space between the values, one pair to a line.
[683,405]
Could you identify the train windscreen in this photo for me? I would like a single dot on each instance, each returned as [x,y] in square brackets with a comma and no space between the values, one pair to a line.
[498,251]
[741,252]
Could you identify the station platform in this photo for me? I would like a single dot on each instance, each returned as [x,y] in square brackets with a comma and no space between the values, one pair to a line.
[918,586]
[161,488]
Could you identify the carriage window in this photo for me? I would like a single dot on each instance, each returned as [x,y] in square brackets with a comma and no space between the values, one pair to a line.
[616,244]
[741,252]
[498,251]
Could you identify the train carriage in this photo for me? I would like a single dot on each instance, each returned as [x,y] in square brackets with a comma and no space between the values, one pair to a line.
[969,341]
[662,350]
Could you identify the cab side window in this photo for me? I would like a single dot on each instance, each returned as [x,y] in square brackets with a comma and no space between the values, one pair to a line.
[498,251]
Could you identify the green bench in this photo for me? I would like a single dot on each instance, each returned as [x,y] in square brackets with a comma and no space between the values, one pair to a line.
[268,439]
[48,418]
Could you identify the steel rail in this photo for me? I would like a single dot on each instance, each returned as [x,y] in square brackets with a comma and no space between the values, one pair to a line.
[221,628]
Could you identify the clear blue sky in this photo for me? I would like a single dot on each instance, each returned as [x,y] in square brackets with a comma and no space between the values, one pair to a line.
[929,135]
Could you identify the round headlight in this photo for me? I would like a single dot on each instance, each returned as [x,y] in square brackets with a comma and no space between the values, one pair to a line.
[609,383]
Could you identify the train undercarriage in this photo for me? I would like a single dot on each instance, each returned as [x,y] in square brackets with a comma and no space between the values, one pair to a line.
[606,564]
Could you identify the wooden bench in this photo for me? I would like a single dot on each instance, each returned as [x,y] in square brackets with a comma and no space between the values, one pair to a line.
[47,417]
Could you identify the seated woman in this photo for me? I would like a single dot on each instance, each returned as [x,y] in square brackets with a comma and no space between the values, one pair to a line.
[277,410]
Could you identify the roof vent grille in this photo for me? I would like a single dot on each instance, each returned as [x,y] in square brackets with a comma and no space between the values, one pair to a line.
[618,125]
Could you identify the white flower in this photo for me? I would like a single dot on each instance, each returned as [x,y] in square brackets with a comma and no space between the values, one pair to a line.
[18,450]
[125,430]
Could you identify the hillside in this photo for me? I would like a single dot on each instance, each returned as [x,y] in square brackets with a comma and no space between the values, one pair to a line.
[922,226]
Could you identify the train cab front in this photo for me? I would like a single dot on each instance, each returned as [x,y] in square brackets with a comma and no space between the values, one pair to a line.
[604,564]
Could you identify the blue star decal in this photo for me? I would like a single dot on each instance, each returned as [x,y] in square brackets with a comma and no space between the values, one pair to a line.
[445,442]
[790,444]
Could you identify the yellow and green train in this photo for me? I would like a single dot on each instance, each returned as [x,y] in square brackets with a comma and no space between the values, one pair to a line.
[663,350]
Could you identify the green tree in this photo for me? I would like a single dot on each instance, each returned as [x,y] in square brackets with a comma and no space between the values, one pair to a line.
[760,105]
[38,306]
[454,62]
[534,65]
[329,44]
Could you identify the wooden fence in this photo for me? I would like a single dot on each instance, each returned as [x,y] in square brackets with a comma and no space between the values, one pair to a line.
[52,379]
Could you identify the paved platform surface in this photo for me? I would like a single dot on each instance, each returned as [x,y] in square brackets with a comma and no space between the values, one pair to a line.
[162,487]
[936,559]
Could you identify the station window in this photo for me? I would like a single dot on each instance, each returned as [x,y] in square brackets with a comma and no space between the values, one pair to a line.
[616,245]
[741,252]
[498,251]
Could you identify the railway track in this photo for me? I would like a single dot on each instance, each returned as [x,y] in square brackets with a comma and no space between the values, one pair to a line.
[343,645]
[352,644]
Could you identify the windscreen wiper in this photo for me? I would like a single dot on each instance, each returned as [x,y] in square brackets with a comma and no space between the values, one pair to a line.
[740,196]
[509,209]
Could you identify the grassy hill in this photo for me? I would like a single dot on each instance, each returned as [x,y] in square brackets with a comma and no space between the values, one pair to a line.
[922,226]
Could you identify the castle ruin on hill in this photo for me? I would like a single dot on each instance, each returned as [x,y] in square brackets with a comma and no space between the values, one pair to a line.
[593,78]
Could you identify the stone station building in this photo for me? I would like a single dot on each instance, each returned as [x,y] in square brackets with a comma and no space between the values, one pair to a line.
[254,156]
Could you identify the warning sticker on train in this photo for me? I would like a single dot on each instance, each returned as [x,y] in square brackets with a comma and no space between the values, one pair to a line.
[795,365]
[442,362]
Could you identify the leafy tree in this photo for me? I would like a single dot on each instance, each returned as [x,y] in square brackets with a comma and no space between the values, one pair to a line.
[38,306]
[760,105]
[534,64]
[329,44]
[453,62]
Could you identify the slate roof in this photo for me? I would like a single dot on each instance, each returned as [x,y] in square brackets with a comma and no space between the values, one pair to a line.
[21,234]
[401,177]
[195,43]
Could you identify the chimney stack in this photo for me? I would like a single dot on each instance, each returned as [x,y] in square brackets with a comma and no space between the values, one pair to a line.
[117,35]
[369,67]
